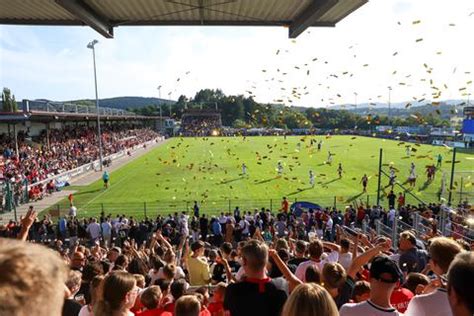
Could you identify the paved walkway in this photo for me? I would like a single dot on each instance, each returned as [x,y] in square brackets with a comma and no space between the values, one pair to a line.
[82,180]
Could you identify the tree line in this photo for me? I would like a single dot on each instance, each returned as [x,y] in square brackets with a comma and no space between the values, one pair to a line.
[244,112]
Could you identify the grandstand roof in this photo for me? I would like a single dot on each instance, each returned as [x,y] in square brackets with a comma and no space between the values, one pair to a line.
[43,116]
[104,15]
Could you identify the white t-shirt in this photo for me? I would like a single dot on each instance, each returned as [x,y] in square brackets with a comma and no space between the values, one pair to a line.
[329,224]
[391,215]
[432,304]
[222,219]
[153,274]
[367,308]
[184,219]
[345,259]
[240,274]
[106,228]
[85,311]
[244,224]
[160,275]
[301,270]
[94,230]
[117,226]
[73,211]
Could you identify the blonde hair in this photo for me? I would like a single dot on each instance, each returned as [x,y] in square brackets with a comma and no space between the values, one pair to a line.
[310,299]
[74,279]
[187,305]
[24,267]
[333,275]
[443,250]
[169,271]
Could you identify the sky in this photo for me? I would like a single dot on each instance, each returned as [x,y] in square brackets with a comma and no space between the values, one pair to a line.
[422,49]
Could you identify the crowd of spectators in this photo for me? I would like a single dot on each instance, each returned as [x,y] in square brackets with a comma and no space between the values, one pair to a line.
[241,263]
[59,150]
[201,125]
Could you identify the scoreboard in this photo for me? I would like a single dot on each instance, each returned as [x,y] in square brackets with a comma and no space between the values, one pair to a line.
[468,122]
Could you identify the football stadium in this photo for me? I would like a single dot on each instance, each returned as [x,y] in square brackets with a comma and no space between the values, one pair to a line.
[325,173]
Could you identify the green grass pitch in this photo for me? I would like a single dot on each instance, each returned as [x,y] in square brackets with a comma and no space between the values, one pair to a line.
[172,176]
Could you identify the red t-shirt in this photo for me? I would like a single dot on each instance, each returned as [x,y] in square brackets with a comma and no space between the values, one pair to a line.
[169,308]
[285,205]
[151,312]
[401,200]
[400,299]
[203,312]
[215,307]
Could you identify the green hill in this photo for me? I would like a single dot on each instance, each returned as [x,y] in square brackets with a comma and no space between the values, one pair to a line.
[124,102]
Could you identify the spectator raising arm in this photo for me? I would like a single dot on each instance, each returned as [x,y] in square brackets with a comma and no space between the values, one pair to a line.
[332,246]
[228,271]
[293,281]
[26,223]
[364,258]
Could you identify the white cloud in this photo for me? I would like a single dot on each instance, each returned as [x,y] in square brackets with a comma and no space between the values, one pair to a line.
[54,62]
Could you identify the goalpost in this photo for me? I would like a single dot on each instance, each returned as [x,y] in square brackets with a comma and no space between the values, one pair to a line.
[462,189]
[461,183]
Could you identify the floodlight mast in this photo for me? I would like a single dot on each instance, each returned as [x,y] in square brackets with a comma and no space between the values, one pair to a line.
[159,104]
[91,46]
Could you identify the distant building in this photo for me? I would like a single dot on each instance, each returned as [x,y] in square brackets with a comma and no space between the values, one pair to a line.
[468,126]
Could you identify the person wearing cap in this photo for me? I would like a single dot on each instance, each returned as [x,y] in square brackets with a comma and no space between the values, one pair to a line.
[442,252]
[384,276]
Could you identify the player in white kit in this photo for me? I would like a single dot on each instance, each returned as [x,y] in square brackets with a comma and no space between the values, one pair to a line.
[412,176]
[244,169]
[329,161]
[280,168]
[311,178]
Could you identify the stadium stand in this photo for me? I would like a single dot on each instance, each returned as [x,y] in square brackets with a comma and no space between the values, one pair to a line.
[44,140]
[51,153]
[201,122]
[239,262]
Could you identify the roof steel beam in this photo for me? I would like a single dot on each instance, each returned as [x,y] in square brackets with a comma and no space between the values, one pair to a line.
[310,16]
[201,11]
[86,14]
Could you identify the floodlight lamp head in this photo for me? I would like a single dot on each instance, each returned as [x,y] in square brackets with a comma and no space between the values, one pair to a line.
[92,44]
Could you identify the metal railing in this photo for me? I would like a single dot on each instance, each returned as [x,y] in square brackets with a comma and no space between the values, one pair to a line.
[141,209]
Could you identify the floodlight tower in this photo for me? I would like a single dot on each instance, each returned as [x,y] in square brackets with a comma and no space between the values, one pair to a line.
[91,45]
